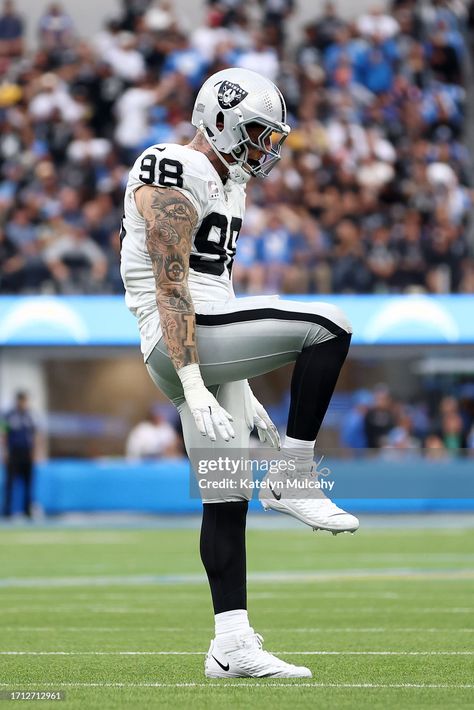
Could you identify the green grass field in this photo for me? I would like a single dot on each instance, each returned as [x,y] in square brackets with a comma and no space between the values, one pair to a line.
[121,618]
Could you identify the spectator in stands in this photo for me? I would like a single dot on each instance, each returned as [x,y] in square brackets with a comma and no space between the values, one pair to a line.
[451,428]
[398,444]
[132,11]
[344,49]
[434,448]
[52,100]
[11,265]
[377,67]
[376,24]
[261,57]
[349,273]
[124,58]
[381,257]
[353,429]
[25,268]
[11,31]
[452,433]
[207,39]
[327,26]
[186,62]
[20,442]
[20,230]
[249,271]
[100,219]
[159,16]
[410,263]
[132,111]
[153,438]
[55,30]
[380,418]
[76,262]
[86,147]
[275,14]
[275,250]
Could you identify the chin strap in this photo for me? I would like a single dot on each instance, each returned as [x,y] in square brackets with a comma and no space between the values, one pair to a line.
[236,172]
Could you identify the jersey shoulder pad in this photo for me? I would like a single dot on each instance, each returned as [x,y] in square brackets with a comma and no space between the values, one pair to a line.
[173,165]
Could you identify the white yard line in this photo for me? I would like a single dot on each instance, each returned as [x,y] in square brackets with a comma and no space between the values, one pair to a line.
[154,610]
[368,630]
[202,653]
[250,684]
[101,629]
[183,629]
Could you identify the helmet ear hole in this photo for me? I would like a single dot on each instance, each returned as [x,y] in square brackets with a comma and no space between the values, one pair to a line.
[220,121]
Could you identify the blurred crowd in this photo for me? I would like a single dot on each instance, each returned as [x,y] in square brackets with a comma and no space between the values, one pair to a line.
[366,422]
[440,428]
[372,194]
[157,436]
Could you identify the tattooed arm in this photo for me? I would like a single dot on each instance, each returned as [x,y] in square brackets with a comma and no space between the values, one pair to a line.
[170,219]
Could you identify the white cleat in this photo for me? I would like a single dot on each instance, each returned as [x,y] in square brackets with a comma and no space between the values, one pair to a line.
[311,506]
[244,657]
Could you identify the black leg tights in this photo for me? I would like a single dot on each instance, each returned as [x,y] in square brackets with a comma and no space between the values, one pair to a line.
[314,378]
[223,553]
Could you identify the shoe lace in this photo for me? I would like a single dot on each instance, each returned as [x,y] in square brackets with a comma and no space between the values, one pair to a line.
[254,641]
[251,639]
[300,472]
[313,473]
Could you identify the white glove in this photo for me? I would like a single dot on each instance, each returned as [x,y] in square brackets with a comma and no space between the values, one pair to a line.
[267,431]
[206,410]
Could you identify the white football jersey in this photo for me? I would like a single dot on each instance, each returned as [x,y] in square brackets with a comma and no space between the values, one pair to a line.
[220,213]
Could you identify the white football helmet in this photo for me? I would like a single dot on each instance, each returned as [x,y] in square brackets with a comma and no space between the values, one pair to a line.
[230,102]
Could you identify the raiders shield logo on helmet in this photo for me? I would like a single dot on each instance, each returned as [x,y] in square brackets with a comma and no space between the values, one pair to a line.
[230,94]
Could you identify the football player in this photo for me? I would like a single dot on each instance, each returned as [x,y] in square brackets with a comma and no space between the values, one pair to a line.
[184,207]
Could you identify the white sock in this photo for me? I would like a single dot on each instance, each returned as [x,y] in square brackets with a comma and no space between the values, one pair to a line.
[298,448]
[231,622]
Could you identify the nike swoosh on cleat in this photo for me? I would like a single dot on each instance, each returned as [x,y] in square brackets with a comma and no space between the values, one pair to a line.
[224,668]
[275,495]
